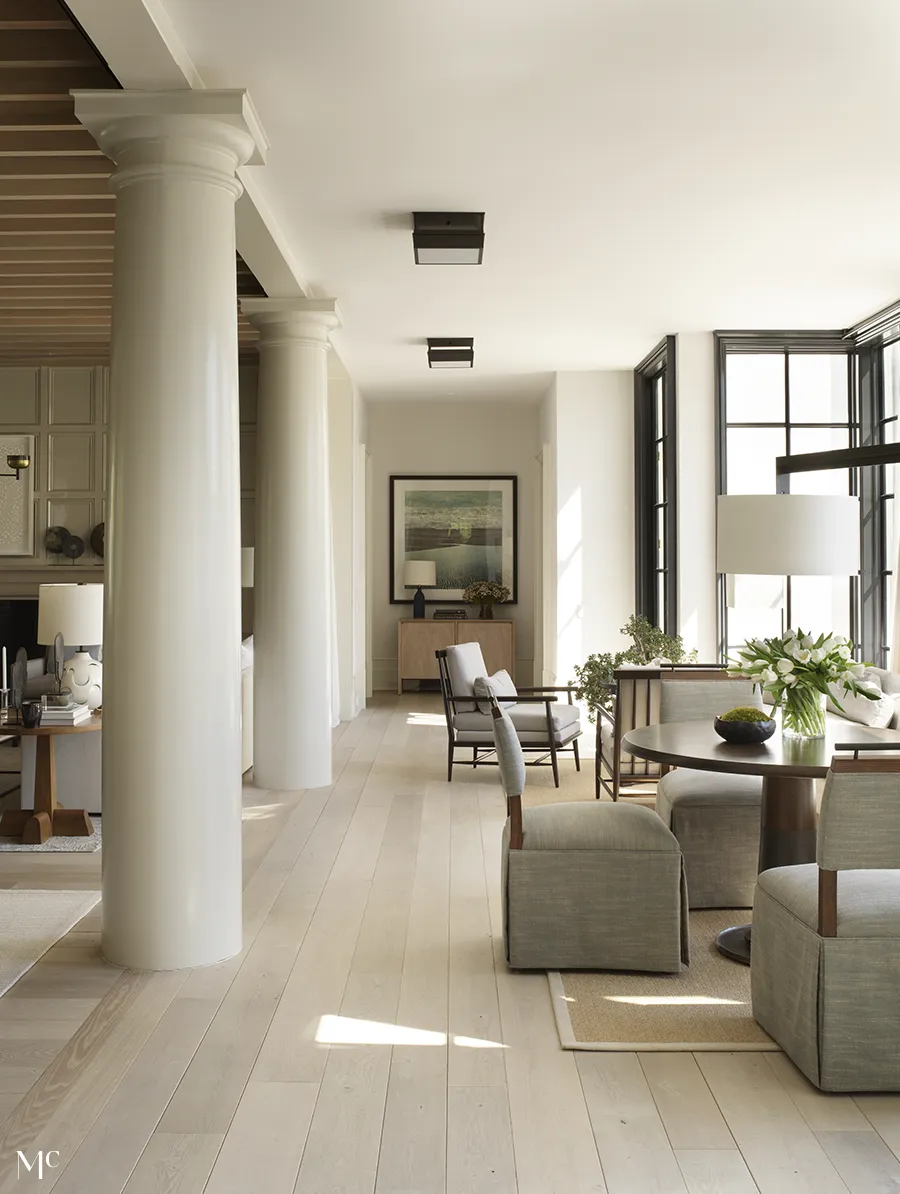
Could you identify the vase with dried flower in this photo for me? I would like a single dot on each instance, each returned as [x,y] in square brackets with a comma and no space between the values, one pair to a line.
[485,593]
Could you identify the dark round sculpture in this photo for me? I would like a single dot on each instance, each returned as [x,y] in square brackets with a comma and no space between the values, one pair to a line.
[55,540]
[98,536]
[73,547]
[744,733]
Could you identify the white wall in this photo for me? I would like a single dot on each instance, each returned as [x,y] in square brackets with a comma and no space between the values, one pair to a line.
[545,637]
[696,399]
[446,437]
[594,548]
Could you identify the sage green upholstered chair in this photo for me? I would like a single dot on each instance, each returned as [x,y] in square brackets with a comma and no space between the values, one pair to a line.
[825,962]
[715,817]
[587,885]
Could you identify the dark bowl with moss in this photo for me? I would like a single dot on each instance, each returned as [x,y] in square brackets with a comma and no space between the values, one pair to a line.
[745,727]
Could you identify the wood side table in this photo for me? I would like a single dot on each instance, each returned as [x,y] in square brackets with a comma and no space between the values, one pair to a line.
[47,819]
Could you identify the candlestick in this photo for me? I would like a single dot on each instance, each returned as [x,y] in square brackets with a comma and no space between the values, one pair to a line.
[3,683]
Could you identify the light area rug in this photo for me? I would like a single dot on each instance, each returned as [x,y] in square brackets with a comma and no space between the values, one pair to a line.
[32,921]
[705,1008]
[59,845]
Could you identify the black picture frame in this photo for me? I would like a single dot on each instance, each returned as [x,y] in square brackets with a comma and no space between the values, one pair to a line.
[507,484]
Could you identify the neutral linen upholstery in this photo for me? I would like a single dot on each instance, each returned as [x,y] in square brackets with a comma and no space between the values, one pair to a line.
[465,664]
[594,886]
[859,822]
[878,713]
[702,700]
[499,685]
[890,686]
[717,826]
[530,722]
[832,1002]
[509,755]
[714,816]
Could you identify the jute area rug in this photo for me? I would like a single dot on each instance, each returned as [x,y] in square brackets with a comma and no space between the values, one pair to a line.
[59,845]
[32,921]
[706,1008]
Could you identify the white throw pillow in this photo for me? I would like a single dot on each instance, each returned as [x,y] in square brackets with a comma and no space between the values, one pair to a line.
[878,713]
[247,654]
[500,684]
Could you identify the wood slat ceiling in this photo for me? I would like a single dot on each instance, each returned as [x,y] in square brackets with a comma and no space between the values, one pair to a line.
[57,214]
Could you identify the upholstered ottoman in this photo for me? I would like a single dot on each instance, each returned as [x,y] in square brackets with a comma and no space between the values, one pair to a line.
[594,886]
[715,818]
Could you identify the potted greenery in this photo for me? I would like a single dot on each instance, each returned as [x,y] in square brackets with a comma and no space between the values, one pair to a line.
[594,679]
[485,593]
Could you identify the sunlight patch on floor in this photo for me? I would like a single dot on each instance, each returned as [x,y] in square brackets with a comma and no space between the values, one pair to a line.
[343,1030]
[672,1000]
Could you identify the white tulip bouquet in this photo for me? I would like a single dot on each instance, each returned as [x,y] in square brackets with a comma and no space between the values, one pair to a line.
[801,673]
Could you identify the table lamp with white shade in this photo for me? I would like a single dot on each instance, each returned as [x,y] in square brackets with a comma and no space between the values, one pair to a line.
[787,535]
[419,575]
[75,612]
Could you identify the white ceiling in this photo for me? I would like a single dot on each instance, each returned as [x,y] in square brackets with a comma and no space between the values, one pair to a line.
[645,166]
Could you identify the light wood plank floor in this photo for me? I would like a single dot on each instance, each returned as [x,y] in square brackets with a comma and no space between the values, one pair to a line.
[339,1053]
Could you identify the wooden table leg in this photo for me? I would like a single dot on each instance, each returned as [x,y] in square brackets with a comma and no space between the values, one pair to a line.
[787,837]
[47,819]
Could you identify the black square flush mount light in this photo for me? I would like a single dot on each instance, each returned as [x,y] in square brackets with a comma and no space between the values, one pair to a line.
[448,237]
[444,353]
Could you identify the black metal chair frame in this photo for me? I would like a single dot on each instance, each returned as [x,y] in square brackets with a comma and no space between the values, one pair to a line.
[485,756]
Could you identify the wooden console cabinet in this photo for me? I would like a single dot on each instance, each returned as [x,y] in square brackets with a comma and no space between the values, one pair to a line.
[419,638]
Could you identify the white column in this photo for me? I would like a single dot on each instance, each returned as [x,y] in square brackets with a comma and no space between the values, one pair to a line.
[171,697]
[292,631]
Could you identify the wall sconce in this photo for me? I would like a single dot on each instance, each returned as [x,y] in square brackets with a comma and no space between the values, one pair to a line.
[17,463]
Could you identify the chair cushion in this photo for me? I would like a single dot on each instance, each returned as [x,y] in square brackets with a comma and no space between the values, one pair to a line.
[705,789]
[529,719]
[878,713]
[465,663]
[596,825]
[509,755]
[500,684]
[868,901]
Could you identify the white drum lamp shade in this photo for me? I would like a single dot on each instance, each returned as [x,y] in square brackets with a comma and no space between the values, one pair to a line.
[75,612]
[787,535]
[247,567]
[419,574]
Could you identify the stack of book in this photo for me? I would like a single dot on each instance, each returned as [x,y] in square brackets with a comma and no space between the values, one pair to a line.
[65,715]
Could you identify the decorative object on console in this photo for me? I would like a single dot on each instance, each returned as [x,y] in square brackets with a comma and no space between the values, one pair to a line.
[76,613]
[419,575]
[465,525]
[98,539]
[485,593]
[73,547]
[745,727]
[19,680]
[456,615]
[55,539]
[247,567]
[31,714]
[801,673]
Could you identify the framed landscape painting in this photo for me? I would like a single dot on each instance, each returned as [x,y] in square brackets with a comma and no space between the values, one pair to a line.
[466,525]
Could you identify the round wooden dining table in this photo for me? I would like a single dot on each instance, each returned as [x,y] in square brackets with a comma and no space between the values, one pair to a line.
[789,768]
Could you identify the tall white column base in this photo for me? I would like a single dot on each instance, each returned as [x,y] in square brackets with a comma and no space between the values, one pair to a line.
[171,692]
[292,631]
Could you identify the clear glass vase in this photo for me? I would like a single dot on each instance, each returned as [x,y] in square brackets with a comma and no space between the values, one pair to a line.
[803,713]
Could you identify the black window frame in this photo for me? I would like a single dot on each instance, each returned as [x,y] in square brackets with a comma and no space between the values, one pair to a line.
[864,346]
[655,441]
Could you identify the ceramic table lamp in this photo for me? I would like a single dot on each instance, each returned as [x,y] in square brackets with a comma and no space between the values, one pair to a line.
[75,612]
[419,575]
